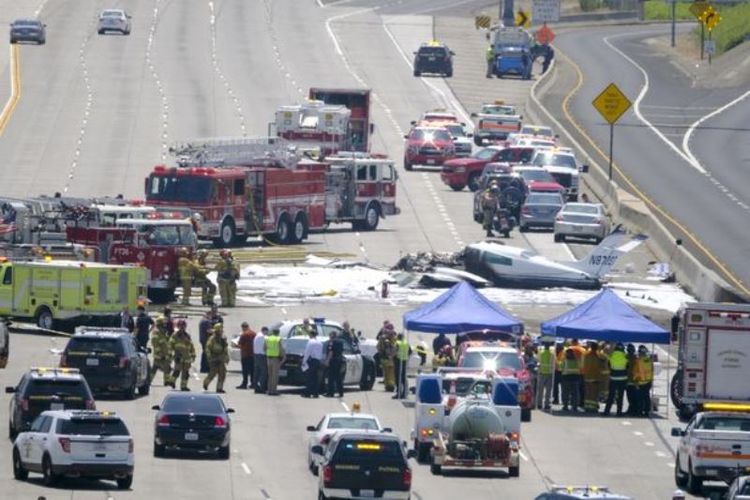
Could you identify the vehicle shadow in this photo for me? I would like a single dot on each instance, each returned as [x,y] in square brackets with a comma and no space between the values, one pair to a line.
[195,455]
[475,474]
[68,483]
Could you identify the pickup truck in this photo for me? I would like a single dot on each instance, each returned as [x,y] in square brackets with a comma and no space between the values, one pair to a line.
[494,122]
[461,172]
[712,446]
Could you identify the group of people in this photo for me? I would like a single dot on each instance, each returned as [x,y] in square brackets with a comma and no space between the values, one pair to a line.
[393,353]
[584,378]
[193,271]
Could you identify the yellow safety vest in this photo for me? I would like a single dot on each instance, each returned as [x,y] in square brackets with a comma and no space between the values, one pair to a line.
[618,362]
[644,371]
[403,350]
[273,346]
[570,367]
[546,362]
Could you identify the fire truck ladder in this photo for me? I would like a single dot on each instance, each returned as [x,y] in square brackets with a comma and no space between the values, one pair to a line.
[234,152]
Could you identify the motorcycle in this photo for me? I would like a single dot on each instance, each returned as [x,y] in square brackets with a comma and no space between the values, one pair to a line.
[503,222]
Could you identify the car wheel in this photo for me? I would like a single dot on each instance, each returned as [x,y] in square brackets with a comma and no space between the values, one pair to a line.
[124,483]
[523,228]
[417,73]
[694,483]
[436,469]
[368,377]
[473,182]
[321,496]
[477,140]
[146,387]
[13,41]
[159,449]
[42,41]
[313,468]
[101,32]
[559,238]
[525,414]
[224,452]
[49,478]
[457,187]
[597,240]
[680,478]
[372,218]
[126,33]
[407,165]
[11,431]
[449,74]
[514,471]
[506,233]
[19,472]
[130,391]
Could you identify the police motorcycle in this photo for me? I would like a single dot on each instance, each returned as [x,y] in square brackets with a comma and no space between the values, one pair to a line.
[506,213]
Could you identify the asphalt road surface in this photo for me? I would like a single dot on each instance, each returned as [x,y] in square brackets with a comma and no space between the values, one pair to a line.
[97,112]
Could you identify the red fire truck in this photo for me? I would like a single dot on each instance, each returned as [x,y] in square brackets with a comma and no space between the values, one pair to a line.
[152,243]
[358,102]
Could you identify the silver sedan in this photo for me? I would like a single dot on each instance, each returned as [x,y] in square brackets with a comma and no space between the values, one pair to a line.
[114,20]
[581,220]
[540,210]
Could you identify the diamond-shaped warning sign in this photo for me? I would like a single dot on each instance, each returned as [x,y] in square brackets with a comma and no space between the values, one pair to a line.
[611,103]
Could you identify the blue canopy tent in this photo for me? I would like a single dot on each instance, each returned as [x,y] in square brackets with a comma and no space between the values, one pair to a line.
[461,309]
[606,317]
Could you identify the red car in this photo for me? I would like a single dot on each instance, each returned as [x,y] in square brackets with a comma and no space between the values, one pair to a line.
[504,359]
[461,172]
[428,146]
[539,180]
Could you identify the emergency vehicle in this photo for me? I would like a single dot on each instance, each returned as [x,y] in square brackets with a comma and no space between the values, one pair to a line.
[713,358]
[80,292]
[358,102]
[495,121]
[4,343]
[153,243]
[315,126]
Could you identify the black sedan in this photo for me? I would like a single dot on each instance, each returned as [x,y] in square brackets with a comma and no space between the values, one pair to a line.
[28,30]
[192,421]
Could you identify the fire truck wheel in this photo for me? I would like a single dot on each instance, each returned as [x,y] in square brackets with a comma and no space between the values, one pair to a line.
[299,229]
[44,319]
[372,217]
[283,230]
[227,234]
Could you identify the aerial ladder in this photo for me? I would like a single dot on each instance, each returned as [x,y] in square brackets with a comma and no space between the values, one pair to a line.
[231,151]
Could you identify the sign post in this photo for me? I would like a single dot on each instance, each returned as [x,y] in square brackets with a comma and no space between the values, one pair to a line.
[611,103]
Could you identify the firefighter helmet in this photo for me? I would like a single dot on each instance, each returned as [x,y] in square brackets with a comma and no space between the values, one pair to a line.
[181,323]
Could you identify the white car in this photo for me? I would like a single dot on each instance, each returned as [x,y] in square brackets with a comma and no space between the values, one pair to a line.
[113,20]
[320,435]
[77,443]
[563,166]
[537,130]
[582,220]
[461,139]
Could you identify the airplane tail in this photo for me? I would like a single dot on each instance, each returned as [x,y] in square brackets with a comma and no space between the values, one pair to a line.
[604,256]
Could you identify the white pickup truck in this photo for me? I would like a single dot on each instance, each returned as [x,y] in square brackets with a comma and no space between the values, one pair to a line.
[712,447]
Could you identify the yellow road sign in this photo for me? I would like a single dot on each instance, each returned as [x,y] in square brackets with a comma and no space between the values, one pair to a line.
[711,20]
[698,8]
[611,103]
[482,22]
[523,18]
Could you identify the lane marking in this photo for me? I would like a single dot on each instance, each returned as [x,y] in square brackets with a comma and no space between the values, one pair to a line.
[345,406]
[626,422]
[637,433]
[155,76]
[726,273]
[524,457]
[648,443]
[246,468]
[15,87]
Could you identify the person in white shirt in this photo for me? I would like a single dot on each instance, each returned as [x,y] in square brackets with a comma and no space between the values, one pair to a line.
[260,367]
[311,363]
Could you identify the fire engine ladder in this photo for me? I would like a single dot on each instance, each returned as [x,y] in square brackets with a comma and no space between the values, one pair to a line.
[233,152]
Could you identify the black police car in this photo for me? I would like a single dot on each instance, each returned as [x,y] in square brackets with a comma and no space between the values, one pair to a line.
[110,359]
[360,464]
[433,57]
[42,389]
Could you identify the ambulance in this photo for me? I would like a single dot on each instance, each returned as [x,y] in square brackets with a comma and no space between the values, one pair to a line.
[54,293]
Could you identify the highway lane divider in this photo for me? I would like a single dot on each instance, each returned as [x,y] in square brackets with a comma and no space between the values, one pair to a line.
[15,87]
[704,283]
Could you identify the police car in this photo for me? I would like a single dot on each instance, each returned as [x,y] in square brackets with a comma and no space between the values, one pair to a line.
[75,443]
[364,464]
[332,423]
[433,57]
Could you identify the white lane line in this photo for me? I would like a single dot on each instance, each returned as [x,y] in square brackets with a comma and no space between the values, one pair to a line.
[40,8]
[524,457]
[626,422]
[637,433]
[660,454]
[246,468]
[155,76]
[345,406]
[648,443]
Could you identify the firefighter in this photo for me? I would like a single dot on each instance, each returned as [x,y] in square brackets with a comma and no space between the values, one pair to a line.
[618,378]
[387,353]
[604,352]
[186,271]
[217,351]
[208,289]
[643,378]
[490,55]
[489,206]
[592,376]
[443,358]
[162,351]
[630,388]
[184,354]
[227,276]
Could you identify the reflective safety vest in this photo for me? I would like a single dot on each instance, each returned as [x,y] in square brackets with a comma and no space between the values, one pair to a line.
[570,367]
[644,370]
[546,362]
[618,363]
[403,350]
[490,54]
[273,346]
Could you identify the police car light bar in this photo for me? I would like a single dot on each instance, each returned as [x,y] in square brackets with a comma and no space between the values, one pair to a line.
[726,406]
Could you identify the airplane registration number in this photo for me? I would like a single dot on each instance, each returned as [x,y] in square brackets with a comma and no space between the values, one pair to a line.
[602,260]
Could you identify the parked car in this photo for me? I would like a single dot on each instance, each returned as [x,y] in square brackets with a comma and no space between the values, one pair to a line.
[110,359]
[28,30]
[113,20]
[42,389]
[188,420]
[582,220]
[461,172]
[539,210]
[461,139]
[739,489]
[538,179]
[331,423]
[433,57]
[428,146]
[89,444]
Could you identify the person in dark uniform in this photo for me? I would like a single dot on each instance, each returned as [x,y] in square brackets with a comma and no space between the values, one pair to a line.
[143,325]
[336,366]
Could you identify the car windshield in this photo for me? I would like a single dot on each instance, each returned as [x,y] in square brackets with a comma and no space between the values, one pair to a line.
[192,404]
[93,427]
[432,51]
[27,23]
[581,209]
[352,423]
[62,388]
[498,110]
[544,199]
[430,135]
[491,360]
[537,131]
[484,154]
[358,450]
[456,130]
[178,188]
[112,13]
[724,424]
[93,345]
[537,175]
[553,159]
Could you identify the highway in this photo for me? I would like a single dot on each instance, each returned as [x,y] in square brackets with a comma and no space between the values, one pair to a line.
[693,183]
[97,112]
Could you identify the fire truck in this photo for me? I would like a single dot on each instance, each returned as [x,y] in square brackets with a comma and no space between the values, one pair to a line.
[315,126]
[153,243]
[358,102]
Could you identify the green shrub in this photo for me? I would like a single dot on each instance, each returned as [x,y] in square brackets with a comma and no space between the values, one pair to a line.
[589,5]
[659,10]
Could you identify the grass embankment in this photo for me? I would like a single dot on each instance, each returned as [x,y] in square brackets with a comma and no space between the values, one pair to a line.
[659,10]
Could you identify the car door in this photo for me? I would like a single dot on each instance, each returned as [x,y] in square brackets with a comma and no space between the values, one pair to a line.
[137,357]
[353,363]
[37,439]
[686,444]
